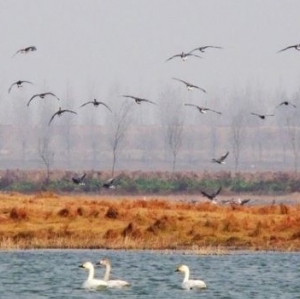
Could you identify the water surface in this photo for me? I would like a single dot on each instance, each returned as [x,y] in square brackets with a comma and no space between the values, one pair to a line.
[56,274]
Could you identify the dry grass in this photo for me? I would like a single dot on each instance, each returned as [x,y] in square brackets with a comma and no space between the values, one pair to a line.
[47,220]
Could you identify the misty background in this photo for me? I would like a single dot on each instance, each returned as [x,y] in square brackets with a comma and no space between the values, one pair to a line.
[105,49]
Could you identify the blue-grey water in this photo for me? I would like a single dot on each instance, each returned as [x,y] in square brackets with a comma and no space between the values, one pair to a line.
[56,274]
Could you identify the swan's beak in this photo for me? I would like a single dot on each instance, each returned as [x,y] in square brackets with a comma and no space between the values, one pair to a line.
[80,266]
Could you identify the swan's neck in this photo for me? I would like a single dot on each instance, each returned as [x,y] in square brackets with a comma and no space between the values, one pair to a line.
[186,275]
[91,274]
[107,273]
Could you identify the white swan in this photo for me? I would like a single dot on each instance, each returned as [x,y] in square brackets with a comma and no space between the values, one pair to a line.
[91,282]
[112,283]
[190,283]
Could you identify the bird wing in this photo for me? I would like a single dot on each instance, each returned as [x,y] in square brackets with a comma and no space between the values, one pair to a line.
[256,114]
[52,117]
[222,158]
[206,195]
[199,88]
[51,94]
[144,100]
[216,192]
[192,105]
[244,201]
[101,103]
[284,49]
[17,53]
[177,55]
[190,54]
[213,111]
[34,96]
[127,96]
[89,102]
[11,87]
[67,110]
[186,83]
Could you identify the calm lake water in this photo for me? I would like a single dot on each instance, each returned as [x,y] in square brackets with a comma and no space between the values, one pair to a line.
[56,274]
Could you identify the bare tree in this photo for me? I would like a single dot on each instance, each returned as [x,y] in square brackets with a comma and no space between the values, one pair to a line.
[173,122]
[119,126]
[46,155]
[237,137]
[294,138]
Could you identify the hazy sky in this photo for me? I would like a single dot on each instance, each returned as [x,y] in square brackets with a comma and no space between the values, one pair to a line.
[94,46]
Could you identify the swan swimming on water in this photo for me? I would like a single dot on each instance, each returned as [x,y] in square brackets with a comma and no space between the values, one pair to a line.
[190,283]
[91,282]
[112,283]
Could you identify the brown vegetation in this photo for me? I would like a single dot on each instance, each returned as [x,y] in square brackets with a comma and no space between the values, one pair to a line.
[47,220]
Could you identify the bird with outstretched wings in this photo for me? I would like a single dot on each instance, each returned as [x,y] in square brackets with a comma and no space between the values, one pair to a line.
[96,104]
[139,100]
[221,159]
[190,86]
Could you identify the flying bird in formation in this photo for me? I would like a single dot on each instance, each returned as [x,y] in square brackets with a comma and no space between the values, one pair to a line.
[212,195]
[96,104]
[183,56]
[42,96]
[202,109]
[203,48]
[59,113]
[79,180]
[190,86]
[286,103]
[25,50]
[262,116]
[296,47]
[221,159]
[138,100]
[19,84]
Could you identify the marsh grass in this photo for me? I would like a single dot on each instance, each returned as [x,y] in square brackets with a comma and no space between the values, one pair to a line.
[48,220]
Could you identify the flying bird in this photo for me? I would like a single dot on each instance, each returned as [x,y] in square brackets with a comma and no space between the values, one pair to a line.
[18,84]
[286,103]
[183,56]
[296,47]
[138,100]
[42,96]
[202,109]
[96,104]
[59,113]
[262,116]
[203,49]
[221,159]
[109,184]
[25,50]
[79,180]
[212,195]
[189,86]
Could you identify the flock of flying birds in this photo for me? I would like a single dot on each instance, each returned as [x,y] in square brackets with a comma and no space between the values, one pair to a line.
[184,56]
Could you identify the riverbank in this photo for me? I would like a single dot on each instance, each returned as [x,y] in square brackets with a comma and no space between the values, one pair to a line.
[49,220]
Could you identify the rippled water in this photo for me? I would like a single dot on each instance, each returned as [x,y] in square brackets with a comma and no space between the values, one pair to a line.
[56,274]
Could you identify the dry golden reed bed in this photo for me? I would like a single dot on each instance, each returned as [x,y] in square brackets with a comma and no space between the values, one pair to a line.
[47,220]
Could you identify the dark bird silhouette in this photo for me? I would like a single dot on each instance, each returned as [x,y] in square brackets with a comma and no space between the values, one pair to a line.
[96,104]
[203,49]
[212,195]
[296,47]
[18,84]
[25,50]
[42,96]
[138,100]
[202,109]
[109,184]
[262,116]
[189,86]
[59,113]
[286,103]
[79,180]
[221,159]
[183,56]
